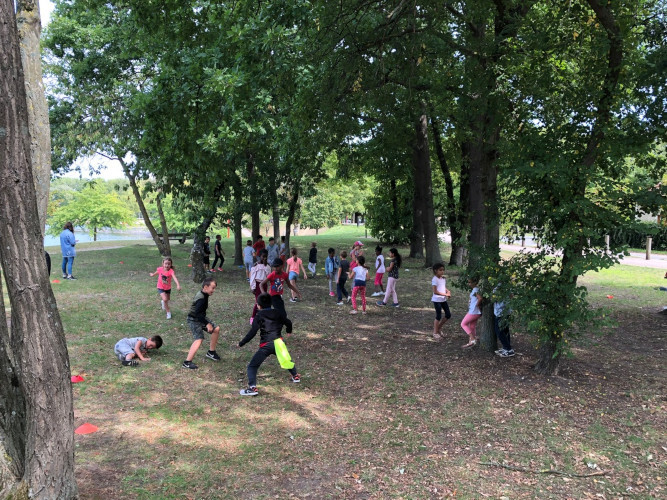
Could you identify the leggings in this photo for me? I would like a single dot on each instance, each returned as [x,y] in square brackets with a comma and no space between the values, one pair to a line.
[257,293]
[359,290]
[469,324]
[215,261]
[341,288]
[391,290]
[257,360]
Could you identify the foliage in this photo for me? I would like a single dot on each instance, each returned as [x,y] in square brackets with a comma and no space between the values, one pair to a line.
[634,236]
[93,209]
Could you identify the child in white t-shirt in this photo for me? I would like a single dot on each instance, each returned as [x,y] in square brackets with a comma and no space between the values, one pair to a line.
[439,299]
[360,275]
[379,272]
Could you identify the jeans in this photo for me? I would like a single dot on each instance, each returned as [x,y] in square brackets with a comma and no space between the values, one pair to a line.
[340,287]
[67,265]
[502,328]
[257,360]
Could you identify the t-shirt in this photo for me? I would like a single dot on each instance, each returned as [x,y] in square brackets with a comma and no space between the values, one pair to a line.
[360,273]
[293,265]
[259,245]
[473,306]
[344,268]
[164,278]
[273,252]
[441,286]
[394,272]
[276,281]
[207,249]
[126,346]
[312,256]
[247,254]
[218,248]
[379,264]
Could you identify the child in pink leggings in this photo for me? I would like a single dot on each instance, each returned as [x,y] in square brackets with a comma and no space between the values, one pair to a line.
[469,323]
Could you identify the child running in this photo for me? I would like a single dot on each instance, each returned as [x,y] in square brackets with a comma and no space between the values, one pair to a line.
[343,271]
[439,299]
[248,254]
[360,275]
[269,322]
[275,283]
[127,349]
[258,273]
[379,272]
[331,266]
[392,278]
[293,266]
[469,323]
[198,323]
[312,259]
[165,275]
[219,254]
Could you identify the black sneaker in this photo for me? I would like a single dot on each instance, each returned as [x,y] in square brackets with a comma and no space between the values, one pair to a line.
[250,391]
[213,355]
[129,362]
[296,379]
[64,276]
[190,365]
[507,353]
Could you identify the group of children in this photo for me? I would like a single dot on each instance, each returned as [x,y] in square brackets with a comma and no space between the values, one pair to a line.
[268,281]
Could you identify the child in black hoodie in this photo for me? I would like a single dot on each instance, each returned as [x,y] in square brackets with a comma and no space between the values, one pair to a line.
[269,322]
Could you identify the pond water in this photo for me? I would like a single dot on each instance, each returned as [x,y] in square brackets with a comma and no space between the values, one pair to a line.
[103,235]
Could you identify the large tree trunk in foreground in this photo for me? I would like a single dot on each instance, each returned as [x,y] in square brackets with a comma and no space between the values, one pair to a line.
[293,206]
[424,189]
[30,28]
[36,416]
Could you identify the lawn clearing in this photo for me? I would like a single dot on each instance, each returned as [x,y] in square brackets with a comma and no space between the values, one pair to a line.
[383,411]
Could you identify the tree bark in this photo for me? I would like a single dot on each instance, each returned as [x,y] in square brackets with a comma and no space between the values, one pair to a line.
[276,220]
[30,29]
[163,225]
[293,206]
[162,245]
[38,366]
[197,252]
[417,232]
[424,189]
[237,221]
[548,360]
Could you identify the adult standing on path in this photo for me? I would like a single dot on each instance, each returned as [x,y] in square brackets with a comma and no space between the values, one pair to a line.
[67,243]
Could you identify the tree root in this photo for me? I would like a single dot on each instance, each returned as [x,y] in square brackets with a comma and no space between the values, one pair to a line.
[542,471]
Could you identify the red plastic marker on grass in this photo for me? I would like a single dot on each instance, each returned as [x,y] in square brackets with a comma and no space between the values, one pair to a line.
[85,429]
[121,262]
[610,296]
[77,378]
[55,281]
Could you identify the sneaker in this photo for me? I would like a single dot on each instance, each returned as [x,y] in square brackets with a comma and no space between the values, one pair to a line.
[162,301]
[213,355]
[168,315]
[292,299]
[331,294]
[507,354]
[363,312]
[70,277]
[296,379]
[339,303]
[219,269]
[376,294]
[353,311]
[250,391]
[381,303]
[497,353]
[349,299]
[64,276]
[129,362]
[190,365]
[395,304]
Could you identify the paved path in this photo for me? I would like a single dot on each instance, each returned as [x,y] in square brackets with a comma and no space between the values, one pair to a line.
[658,261]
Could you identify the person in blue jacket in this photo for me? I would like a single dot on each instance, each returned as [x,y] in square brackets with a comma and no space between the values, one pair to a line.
[67,243]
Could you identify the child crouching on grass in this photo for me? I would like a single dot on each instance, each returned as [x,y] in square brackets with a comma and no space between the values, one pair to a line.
[127,349]
[269,322]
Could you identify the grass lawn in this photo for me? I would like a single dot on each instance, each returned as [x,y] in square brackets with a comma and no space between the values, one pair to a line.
[383,411]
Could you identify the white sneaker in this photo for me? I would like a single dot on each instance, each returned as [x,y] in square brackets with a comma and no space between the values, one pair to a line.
[339,303]
[168,315]
[349,299]
[353,311]
[162,304]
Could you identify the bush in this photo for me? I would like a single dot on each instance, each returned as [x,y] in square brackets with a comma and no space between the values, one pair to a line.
[635,236]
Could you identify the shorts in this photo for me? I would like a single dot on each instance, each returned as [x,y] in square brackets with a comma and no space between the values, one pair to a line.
[293,276]
[160,291]
[378,279]
[439,306]
[122,349]
[198,329]
[207,260]
[247,264]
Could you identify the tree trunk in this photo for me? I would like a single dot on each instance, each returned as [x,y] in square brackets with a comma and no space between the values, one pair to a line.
[293,206]
[41,447]
[94,233]
[417,232]
[254,197]
[197,252]
[548,360]
[276,220]
[424,189]
[29,29]
[163,225]
[162,245]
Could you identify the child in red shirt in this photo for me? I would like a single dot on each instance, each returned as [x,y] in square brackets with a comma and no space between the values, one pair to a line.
[276,282]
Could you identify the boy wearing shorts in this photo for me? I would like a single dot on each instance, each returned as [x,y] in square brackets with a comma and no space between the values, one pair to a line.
[439,299]
[199,323]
